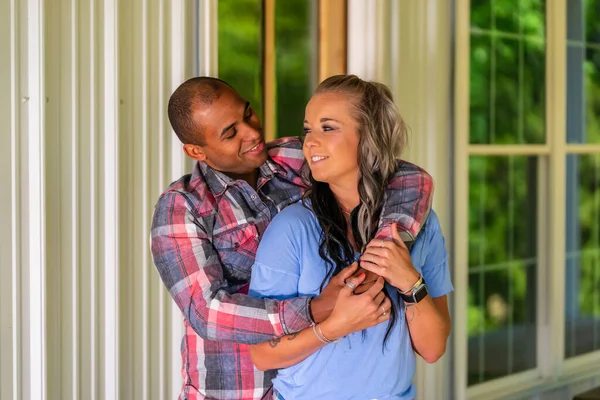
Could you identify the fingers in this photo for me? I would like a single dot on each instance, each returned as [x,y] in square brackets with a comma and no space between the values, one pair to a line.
[375,255]
[352,283]
[363,287]
[380,244]
[384,315]
[375,289]
[373,268]
[379,298]
[360,270]
[347,272]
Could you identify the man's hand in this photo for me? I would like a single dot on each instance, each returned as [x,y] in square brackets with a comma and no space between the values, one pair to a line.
[322,305]
[370,279]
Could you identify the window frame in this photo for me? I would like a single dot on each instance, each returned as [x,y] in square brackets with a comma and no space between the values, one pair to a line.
[553,370]
[332,51]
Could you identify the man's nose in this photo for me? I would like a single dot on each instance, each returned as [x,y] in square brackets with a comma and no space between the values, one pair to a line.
[252,132]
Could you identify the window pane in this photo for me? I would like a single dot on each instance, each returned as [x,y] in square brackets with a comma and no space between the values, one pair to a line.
[507,72]
[502,266]
[240,48]
[583,72]
[481,15]
[582,301]
[592,21]
[296,62]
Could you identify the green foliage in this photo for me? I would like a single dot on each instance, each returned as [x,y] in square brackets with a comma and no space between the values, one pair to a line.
[240,56]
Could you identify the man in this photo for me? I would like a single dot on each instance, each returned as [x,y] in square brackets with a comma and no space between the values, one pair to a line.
[206,230]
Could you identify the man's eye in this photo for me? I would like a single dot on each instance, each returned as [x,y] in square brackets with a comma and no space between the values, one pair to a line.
[232,135]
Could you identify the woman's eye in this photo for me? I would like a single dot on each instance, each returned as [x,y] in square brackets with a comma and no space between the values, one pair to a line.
[306,131]
[327,128]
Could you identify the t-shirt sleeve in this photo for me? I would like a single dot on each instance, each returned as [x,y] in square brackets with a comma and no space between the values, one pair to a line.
[276,271]
[435,267]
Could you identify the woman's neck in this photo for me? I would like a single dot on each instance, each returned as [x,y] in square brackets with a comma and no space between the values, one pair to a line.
[347,196]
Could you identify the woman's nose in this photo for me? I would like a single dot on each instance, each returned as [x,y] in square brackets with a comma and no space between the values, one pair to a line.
[310,140]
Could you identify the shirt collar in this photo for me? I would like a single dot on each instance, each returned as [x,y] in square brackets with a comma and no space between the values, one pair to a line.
[217,182]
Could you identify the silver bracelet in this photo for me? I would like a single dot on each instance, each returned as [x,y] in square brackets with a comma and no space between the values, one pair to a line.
[314,327]
[325,337]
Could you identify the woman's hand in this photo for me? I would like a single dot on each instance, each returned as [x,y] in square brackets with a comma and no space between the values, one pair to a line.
[391,260]
[353,312]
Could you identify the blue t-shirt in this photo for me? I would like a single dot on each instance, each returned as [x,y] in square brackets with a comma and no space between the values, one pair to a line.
[358,366]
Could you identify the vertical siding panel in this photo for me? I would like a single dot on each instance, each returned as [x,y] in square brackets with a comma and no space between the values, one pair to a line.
[53,50]
[110,203]
[84,385]
[8,239]
[141,226]
[32,196]
[74,197]
[152,164]
[127,77]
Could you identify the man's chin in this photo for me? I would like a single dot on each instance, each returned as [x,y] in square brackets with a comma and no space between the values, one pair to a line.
[259,158]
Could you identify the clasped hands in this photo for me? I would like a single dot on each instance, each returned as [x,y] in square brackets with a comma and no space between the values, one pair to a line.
[354,299]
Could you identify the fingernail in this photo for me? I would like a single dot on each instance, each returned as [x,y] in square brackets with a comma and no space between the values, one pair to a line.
[361,275]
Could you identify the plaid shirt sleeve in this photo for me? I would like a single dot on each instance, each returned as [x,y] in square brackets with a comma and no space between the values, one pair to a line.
[192,272]
[407,201]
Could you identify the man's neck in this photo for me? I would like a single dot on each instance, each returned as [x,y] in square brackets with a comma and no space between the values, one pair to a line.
[251,178]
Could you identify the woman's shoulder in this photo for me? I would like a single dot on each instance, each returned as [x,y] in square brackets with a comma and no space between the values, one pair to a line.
[298,211]
[296,215]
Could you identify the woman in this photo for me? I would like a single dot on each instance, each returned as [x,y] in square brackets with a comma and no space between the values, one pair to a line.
[354,135]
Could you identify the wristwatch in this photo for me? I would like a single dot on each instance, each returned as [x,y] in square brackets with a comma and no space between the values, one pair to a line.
[416,294]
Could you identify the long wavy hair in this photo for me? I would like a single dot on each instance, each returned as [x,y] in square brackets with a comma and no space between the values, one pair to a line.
[382,137]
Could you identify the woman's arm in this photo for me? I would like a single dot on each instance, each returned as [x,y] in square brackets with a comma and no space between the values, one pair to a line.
[351,313]
[429,325]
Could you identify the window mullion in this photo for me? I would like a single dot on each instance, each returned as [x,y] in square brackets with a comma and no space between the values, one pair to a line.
[269,77]
[461,203]
[551,307]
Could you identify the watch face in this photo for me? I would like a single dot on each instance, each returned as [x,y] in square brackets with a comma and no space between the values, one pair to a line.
[416,296]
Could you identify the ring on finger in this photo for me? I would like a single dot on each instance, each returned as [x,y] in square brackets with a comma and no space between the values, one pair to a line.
[351,285]
[384,312]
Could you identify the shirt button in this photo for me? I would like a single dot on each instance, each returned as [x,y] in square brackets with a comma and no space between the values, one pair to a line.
[253,197]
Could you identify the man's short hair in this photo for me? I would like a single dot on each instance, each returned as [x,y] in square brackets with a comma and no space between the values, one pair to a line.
[203,90]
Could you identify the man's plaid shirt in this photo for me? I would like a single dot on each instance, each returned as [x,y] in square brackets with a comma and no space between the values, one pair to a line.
[205,234]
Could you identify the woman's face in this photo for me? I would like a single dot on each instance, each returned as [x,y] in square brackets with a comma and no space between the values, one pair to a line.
[331,143]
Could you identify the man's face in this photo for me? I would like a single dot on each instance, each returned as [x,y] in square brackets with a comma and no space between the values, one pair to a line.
[233,138]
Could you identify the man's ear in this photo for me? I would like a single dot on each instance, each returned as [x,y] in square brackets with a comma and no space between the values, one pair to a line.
[194,151]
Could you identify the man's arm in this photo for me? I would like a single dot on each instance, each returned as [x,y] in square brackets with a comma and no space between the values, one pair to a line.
[190,268]
[407,201]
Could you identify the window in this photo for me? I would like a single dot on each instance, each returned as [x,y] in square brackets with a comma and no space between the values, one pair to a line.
[507,107]
[527,191]
[582,303]
[270,52]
